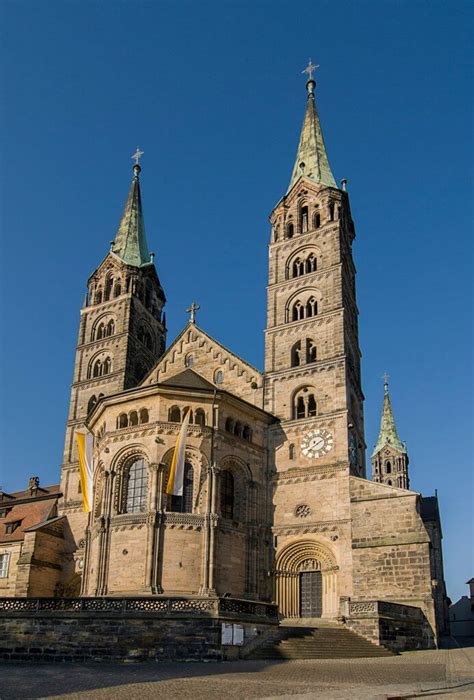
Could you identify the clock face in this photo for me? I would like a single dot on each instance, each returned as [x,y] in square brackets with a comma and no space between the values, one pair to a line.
[317,443]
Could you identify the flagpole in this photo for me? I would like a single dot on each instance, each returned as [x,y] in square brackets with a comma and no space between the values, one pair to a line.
[207,588]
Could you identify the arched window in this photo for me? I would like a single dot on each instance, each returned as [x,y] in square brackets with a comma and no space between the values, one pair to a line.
[238,429]
[108,288]
[97,370]
[122,420]
[184,503]
[317,220]
[174,415]
[247,433]
[290,229]
[311,307]
[276,233]
[311,263]
[388,468]
[304,404]
[118,290]
[298,311]
[133,418]
[107,365]
[296,354]
[389,482]
[98,296]
[100,331]
[331,211]
[229,425]
[189,361]
[310,350]
[92,402]
[227,495]
[190,411]
[304,220]
[110,327]
[144,418]
[298,267]
[137,487]
[219,377]
[291,451]
[199,417]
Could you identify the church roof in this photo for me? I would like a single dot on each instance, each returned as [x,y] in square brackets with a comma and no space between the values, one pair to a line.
[188,379]
[311,158]
[130,241]
[388,434]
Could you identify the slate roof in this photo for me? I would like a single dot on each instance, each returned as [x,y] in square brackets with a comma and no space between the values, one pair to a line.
[388,434]
[188,379]
[130,243]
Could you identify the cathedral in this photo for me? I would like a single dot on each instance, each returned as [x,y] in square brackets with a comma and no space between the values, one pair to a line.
[276,505]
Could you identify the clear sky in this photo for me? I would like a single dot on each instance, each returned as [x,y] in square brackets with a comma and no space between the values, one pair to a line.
[212,91]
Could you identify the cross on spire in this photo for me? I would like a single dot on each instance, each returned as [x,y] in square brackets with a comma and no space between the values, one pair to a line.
[310,68]
[385,378]
[192,311]
[137,155]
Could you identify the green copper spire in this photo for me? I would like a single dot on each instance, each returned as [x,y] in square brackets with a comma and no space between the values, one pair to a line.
[130,242]
[388,430]
[311,158]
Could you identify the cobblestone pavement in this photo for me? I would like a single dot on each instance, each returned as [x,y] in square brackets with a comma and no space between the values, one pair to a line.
[447,674]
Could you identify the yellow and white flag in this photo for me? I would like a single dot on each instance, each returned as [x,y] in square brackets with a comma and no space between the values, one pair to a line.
[85,450]
[176,478]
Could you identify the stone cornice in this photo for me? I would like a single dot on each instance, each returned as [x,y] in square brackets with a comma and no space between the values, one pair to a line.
[306,279]
[311,473]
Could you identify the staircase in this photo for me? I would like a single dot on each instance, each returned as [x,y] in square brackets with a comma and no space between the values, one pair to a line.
[318,641]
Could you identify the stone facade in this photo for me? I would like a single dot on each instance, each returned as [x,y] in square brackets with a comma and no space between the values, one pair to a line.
[276,504]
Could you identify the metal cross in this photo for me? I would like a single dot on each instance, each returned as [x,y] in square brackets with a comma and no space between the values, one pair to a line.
[192,310]
[310,68]
[385,377]
[137,155]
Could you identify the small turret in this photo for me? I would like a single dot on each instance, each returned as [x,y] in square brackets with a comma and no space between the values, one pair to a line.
[389,458]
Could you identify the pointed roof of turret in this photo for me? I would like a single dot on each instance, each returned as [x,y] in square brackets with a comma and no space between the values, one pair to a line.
[311,158]
[388,434]
[130,241]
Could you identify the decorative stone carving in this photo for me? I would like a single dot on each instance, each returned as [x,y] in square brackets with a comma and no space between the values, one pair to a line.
[303,511]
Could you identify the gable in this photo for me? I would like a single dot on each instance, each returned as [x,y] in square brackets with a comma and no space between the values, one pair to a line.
[208,357]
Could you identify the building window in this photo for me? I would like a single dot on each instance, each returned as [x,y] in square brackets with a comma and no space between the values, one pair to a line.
[199,417]
[189,361]
[11,527]
[137,487]
[91,403]
[174,415]
[304,220]
[298,267]
[133,418]
[4,561]
[310,350]
[247,433]
[311,263]
[227,495]
[122,421]
[290,229]
[301,311]
[184,503]
[291,451]
[219,377]
[388,468]
[311,307]
[229,425]
[296,354]
[304,404]
[144,417]
[317,220]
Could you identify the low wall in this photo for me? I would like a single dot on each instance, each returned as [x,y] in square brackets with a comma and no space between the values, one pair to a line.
[126,629]
[396,626]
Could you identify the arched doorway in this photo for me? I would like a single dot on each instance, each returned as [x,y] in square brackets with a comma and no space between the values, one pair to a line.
[306,580]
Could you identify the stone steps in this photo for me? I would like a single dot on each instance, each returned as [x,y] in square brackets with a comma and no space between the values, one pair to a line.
[319,642]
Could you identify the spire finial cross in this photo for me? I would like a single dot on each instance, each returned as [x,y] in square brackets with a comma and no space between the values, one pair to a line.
[385,378]
[310,68]
[137,155]
[192,311]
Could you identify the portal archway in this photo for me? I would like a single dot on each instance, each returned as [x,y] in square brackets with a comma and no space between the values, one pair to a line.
[306,580]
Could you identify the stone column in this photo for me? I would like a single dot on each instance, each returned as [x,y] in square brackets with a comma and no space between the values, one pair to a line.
[156,554]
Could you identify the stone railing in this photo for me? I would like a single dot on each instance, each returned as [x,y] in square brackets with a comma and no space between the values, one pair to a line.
[158,606]
[383,608]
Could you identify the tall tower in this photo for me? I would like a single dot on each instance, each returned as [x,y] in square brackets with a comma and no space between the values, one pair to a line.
[312,357]
[121,335]
[390,457]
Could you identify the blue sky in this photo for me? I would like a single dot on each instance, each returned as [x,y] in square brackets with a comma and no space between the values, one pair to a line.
[213,93]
